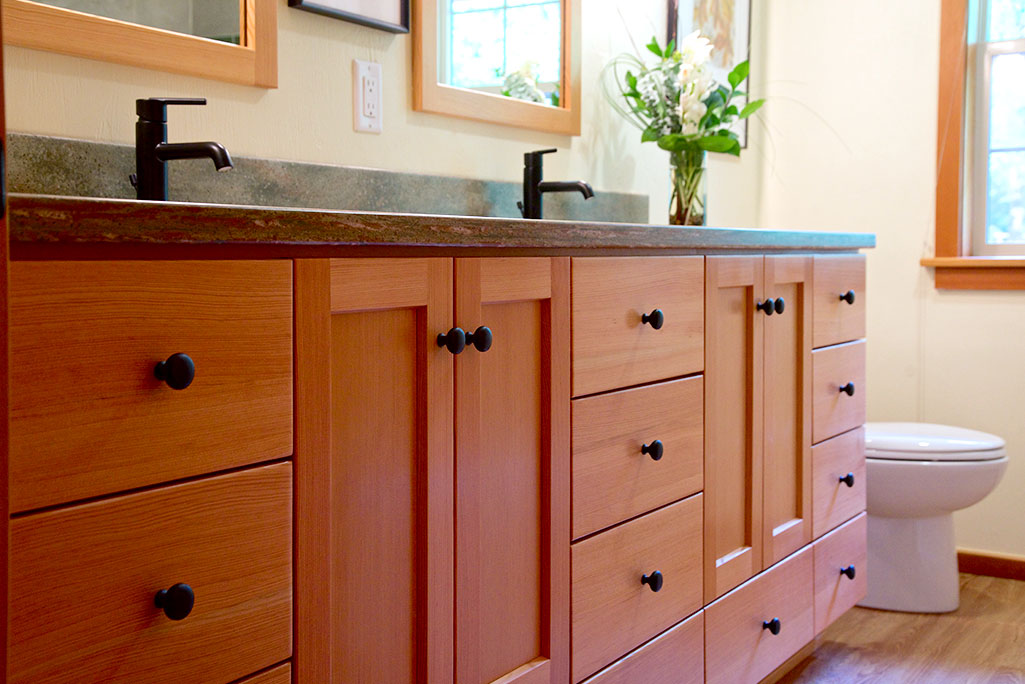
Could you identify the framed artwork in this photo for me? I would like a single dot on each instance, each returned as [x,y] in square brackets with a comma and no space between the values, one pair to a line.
[727,24]
[387,15]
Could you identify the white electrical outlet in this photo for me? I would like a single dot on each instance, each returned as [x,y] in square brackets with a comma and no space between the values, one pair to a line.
[366,96]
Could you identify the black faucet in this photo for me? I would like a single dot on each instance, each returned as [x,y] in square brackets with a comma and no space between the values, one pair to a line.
[534,187]
[152,151]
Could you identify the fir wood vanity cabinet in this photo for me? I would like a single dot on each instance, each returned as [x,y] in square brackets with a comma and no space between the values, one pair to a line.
[443,477]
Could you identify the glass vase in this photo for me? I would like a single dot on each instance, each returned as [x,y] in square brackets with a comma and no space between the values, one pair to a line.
[687,205]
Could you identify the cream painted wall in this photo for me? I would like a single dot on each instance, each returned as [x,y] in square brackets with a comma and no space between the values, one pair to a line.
[852,120]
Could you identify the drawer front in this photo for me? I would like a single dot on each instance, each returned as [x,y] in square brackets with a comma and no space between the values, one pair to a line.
[83,582]
[838,480]
[88,416]
[635,450]
[834,368]
[282,674]
[838,320]
[612,346]
[613,611]
[836,592]
[738,648]
[676,657]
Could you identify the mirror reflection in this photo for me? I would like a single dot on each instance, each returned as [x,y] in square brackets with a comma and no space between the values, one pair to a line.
[505,47]
[214,19]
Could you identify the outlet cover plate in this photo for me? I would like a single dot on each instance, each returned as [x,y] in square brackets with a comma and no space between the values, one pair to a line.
[366,96]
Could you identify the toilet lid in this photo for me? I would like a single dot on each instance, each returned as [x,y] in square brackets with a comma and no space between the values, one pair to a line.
[930,442]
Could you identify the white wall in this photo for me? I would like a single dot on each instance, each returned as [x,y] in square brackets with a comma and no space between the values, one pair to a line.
[852,119]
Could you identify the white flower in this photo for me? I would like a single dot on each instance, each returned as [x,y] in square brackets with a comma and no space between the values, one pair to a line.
[695,49]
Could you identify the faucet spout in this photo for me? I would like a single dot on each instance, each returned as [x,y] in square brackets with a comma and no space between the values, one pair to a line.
[196,150]
[566,186]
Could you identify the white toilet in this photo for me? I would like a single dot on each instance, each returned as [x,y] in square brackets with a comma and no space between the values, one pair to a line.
[917,475]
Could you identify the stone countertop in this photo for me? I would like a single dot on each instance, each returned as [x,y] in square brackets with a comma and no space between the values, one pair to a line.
[40,225]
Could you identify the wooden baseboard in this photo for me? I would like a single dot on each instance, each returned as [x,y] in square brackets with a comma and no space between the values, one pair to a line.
[792,662]
[991,564]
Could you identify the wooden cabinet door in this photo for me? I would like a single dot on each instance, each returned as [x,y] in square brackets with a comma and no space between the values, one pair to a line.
[374,473]
[733,422]
[512,473]
[787,503]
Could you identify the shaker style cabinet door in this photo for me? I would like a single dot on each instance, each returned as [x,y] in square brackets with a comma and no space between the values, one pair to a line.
[512,463]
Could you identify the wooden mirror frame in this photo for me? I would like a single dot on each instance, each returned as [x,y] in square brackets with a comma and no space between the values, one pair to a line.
[431,96]
[54,29]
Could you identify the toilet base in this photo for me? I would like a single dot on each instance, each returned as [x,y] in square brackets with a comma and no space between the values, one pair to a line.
[912,565]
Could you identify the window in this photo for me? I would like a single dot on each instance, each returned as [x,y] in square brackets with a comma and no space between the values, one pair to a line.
[996,163]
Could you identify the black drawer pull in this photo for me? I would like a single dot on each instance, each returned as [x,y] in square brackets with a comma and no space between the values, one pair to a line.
[768,306]
[848,389]
[654,450]
[177,601]
[848,479]
[480,339]
[654,581]
[178,371]
[454,340]
[780,306]
[656,319]
[848,572]
[773,625]
[848,297]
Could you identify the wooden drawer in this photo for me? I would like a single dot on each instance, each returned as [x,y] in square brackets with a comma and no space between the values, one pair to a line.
[836,593]
[676,657]
[282,674]
[834,411]
[612,347]
[738,648]
[613,480]
[83,581]
[834,500]
[835,320]
[89,418]
[613,612]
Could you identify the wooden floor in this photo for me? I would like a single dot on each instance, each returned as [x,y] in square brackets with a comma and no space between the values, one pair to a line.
[983,642]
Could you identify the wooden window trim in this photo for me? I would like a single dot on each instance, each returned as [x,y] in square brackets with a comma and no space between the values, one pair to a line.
[54,29]
[955,268]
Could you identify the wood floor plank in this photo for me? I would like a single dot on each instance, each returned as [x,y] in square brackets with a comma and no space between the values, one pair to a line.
[983,642]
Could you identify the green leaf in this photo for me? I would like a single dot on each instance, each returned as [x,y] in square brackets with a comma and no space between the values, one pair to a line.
[674,142]
[739,73]
[650,135]
[730,111]
[631,80]
[710,121]
[750,108]
[671,47]
[716,143]
[735,150]
[714,100]
[653,46]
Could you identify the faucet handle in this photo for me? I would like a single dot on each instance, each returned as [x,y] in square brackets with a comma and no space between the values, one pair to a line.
[155,108]
[534,158]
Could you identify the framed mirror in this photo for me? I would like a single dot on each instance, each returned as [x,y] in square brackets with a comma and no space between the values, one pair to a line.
[513,62]
[226,40]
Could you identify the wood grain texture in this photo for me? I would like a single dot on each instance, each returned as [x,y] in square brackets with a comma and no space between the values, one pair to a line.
[612,479]
[391,476]
[787,496]
[228,537]
[613,612]
[950,127]
[282,674]
[834,412]
[975,278]
[980,643]
[734,350]
[312,461]
[835,593]
[991,564]
[43,226]
[431,95]
[41,27]
[612,347]
[512,470]
[733,624]
[835,320]
[834,501]
[4,378]
[88,417]
[674,657]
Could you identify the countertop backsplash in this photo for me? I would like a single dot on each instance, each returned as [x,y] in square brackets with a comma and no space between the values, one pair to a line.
[63,166]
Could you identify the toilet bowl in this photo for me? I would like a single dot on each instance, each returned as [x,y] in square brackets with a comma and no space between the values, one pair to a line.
[917,475]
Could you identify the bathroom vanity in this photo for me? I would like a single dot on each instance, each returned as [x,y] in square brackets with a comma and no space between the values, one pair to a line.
[257,445]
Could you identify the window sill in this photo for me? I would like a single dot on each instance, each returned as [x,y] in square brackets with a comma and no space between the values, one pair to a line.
[978,273]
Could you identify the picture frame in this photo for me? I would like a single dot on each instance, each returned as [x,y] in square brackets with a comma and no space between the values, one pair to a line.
[727,23]
[386,15]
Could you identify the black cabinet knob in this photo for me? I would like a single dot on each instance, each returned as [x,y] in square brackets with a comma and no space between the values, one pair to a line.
[848,297]
[848,389]
[656,319]
[768,306]
[178,371]
[654,450]
[848,571]
[454,340]
[654,581]
[773,625]
[780,306]
[480,338]
[177,601]
[848,479]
